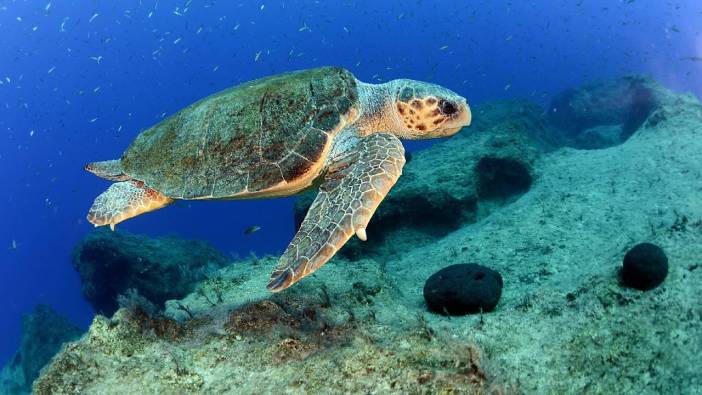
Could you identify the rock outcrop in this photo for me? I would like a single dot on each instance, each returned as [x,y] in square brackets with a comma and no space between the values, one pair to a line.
[112,263]
[606,113]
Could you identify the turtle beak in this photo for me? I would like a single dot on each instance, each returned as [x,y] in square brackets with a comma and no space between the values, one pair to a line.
[460,119]
[468,116]
[464,115]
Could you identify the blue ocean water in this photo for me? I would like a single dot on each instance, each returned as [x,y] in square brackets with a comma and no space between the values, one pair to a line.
[80,79]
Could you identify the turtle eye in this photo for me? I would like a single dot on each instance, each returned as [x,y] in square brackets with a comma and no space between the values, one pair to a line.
[447,107]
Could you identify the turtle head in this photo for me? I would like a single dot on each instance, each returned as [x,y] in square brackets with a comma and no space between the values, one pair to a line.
[426,110]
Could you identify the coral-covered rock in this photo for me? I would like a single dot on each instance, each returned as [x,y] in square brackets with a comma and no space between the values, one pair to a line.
[284,348]
[43,333]
[111,263]
[463,289]
[259,317]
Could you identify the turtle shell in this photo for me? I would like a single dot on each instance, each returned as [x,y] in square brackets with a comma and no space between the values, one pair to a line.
[255,138]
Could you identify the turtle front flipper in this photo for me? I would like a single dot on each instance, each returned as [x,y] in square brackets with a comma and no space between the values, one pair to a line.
[124,200]
[353,187]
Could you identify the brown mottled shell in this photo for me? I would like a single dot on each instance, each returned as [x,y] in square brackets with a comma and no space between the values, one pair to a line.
[256,137]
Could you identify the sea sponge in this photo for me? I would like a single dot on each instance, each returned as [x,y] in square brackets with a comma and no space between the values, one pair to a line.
[645,266]
[463,289]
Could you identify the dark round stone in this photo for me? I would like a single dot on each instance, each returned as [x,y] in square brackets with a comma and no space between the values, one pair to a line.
[463,289]
[645,266]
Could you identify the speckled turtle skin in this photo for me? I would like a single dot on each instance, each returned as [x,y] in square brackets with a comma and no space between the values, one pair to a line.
[245,139]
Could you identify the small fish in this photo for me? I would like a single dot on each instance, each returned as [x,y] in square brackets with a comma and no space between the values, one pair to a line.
[258,56]
[14,244]
[252,229]
[92,18]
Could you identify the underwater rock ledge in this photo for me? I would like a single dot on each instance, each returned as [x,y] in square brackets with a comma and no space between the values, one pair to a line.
[111,264]
[564,324]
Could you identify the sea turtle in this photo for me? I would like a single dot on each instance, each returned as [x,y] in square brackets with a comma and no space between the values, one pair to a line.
[278,136]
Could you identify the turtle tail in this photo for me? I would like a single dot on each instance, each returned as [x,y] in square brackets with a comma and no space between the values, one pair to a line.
[109,169]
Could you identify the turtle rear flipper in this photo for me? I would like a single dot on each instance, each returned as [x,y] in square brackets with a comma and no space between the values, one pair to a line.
[124,200]
[353,187]
[108,169]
